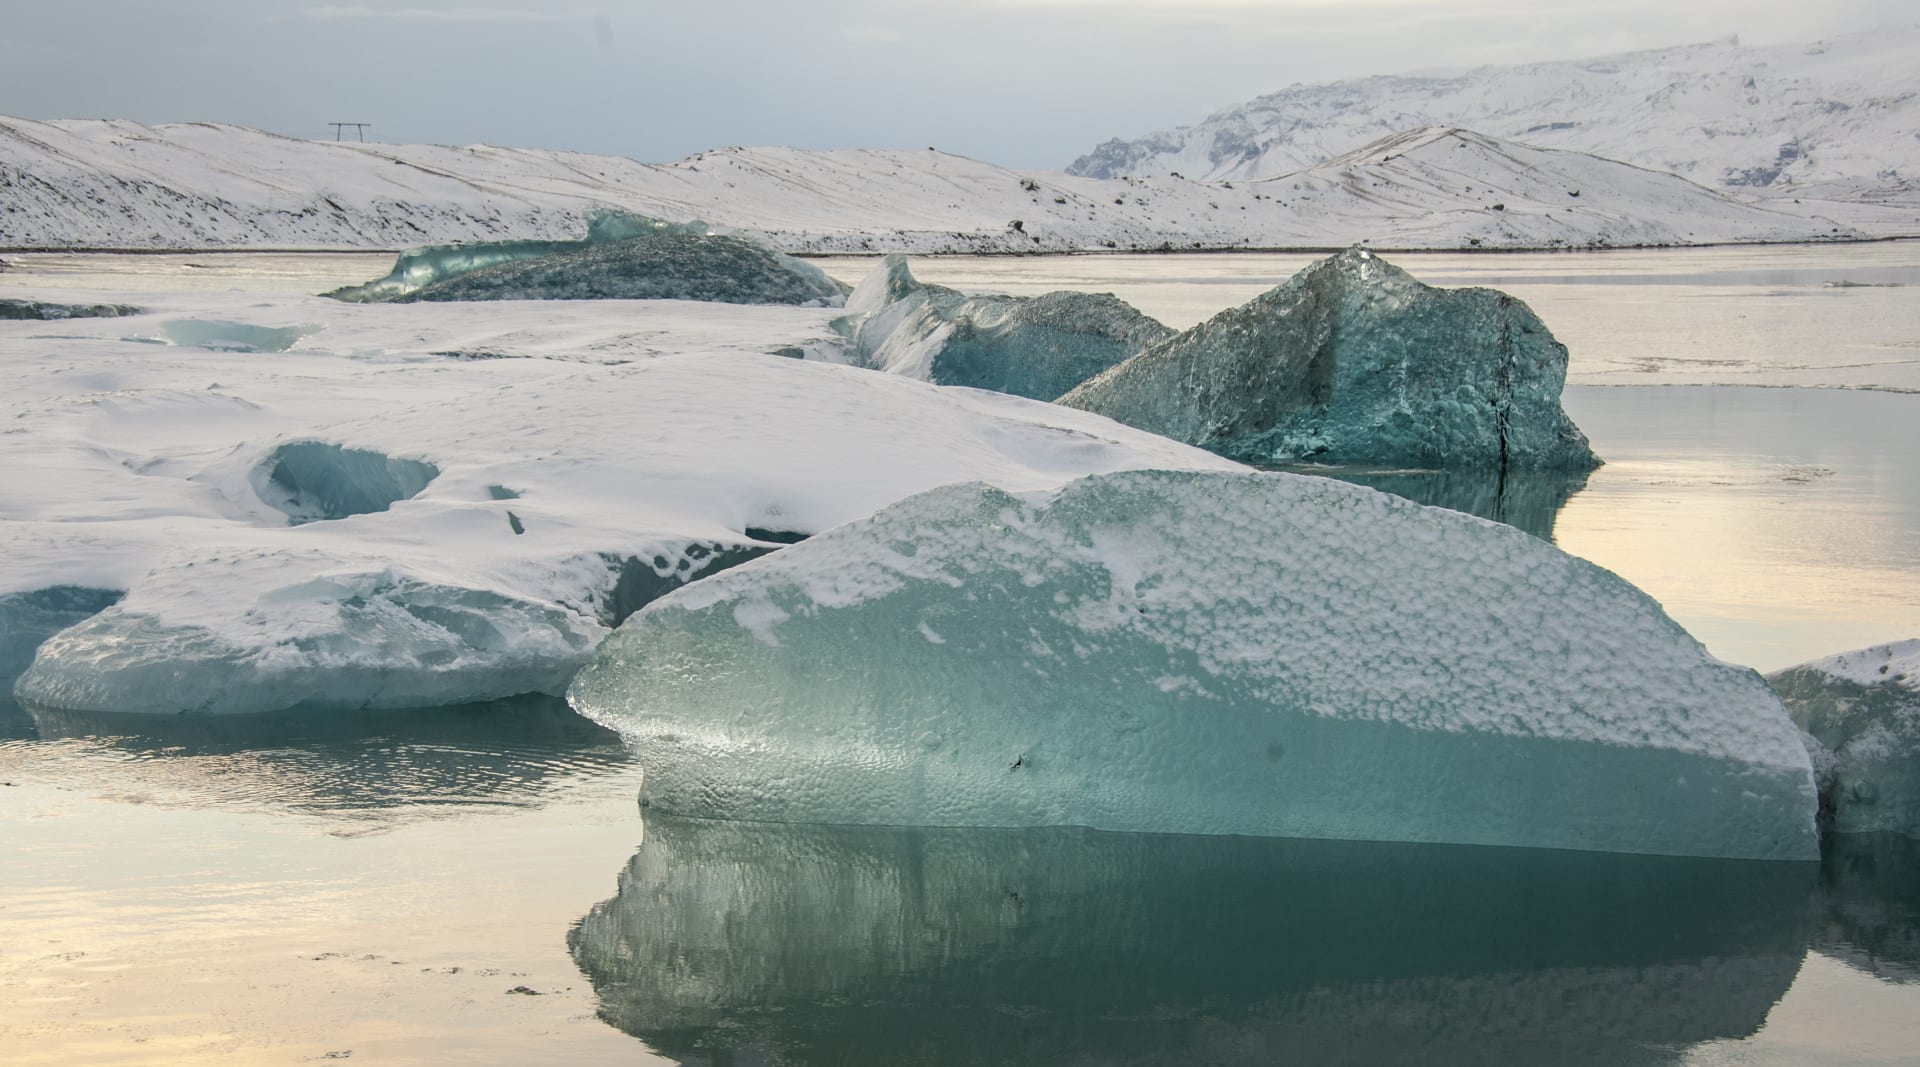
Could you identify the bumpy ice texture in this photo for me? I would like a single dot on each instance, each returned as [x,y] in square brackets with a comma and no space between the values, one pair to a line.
[1863,709]
[1036,347]
[421,267]
[1202,653]
[1353,361]
[663,265]
[27,618]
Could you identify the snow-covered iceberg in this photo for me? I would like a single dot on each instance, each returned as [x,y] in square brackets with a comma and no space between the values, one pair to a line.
[1189,652]
[767,943]
[1353,361]
[1037,347]
[384,529]
[1862,708]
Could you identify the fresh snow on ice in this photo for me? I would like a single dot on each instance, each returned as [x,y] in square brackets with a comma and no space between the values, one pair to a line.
[1201,652]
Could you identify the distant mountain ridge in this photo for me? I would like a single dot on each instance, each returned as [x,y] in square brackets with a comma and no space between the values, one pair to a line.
[119,185]
[1842,114]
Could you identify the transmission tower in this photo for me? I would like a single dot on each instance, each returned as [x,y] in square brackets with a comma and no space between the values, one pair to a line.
[359,128]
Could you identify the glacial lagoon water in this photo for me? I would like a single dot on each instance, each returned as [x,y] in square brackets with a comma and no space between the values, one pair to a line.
[475,884]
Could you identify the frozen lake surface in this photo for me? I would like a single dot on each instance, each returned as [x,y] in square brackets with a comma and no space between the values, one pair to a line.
[470,884]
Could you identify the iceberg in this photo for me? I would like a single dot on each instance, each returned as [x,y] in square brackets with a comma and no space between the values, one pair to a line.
[1861,711]
[1036,347]
[782,944]
[624,257]
[287,638]
[666,265]
[1193,652]
[421,267]
[1352,361]
[48,311]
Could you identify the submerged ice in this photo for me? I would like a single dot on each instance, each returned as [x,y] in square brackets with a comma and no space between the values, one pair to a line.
[1861,710]
[1217,653]
[1036,347]
[1352,361]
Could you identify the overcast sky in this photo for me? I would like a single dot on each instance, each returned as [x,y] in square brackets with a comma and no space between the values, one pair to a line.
[1025,83]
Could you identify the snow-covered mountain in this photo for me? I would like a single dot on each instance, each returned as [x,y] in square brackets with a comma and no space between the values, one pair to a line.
[103,184]
[1843,114]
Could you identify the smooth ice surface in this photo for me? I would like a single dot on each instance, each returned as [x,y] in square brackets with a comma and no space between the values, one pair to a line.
[1353,361]
[1863,709]
[1037,347]
[1220,653]
[663,265]
[766,943]
[418,268]
[600,459]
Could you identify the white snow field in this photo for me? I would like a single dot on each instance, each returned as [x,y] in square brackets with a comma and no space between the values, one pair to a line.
[317,504]
[91,184]
[1220,652]
[1833,119]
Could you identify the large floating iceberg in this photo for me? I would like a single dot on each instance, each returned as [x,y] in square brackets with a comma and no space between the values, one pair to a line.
[420,267]
[666,265]
[1353,361]
[853,945]
[624,257]
[1863,709]
[1037,347]
[1219,653]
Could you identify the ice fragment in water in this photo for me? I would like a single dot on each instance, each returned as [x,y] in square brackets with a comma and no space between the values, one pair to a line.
[1863,710]
[1037,347]
[1352,361]
[1215,653]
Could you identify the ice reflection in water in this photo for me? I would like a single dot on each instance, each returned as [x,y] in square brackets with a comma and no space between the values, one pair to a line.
[1528,500]
[1870,905]
[732,942]
[372,764]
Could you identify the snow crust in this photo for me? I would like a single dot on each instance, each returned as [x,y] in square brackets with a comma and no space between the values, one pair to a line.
[116,184]
[1862,710]
[1353,361]
[1201,652]
[585,464]
[1037,347]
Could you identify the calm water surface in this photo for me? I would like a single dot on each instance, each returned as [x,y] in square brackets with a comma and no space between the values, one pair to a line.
[475,884]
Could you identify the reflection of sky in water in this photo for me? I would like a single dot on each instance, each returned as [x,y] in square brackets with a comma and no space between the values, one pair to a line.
[370,767]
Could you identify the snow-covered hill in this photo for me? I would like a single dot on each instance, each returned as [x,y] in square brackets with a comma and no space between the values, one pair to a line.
[1842,114]
[101,184]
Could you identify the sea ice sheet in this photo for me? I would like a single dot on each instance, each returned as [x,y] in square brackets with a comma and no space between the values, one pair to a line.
[1220,653]
[1863,710]
[1352,361]
[1036,347]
